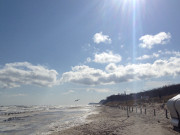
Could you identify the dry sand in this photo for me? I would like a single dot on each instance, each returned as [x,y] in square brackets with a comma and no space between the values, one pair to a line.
[114,121]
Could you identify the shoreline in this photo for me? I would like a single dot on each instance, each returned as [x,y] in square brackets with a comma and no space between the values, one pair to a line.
[114,121]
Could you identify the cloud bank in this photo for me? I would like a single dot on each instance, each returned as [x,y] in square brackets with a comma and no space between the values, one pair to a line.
[24,73]
[100,38]
[148,41]
[118,73]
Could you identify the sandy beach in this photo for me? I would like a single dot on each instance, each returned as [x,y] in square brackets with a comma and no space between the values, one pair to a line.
[114,121]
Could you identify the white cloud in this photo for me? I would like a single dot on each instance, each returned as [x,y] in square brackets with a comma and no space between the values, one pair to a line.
[99,37]
[107,58]
[88,59]
[144,57]
[100,90]
[68,92]
[83,75]
[111,67]
[175,53]
[148,41]
[158,54]
[119,73]
[24,73]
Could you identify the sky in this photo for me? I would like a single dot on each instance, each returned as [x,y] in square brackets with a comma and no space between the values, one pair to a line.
[53,52]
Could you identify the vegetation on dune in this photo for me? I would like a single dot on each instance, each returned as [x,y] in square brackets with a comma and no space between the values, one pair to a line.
[161,95]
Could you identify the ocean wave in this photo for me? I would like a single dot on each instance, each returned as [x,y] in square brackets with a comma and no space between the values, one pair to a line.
[41,119]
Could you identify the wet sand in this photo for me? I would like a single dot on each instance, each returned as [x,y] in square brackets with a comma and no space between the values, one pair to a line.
[114,121]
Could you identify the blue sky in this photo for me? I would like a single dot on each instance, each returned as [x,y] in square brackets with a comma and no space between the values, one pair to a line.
[53,52]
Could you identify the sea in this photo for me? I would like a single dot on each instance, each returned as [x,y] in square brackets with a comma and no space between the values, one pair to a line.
[41,120]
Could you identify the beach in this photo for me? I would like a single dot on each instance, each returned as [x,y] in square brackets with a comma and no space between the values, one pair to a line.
[114,121]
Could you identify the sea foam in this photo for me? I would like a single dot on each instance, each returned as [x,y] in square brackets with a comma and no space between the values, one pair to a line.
[41,120]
